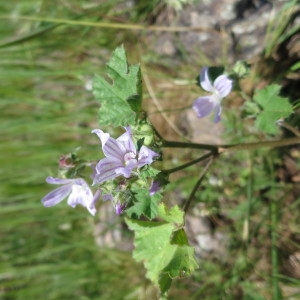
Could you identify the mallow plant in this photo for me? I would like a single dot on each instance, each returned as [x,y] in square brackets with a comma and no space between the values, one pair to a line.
[127,173]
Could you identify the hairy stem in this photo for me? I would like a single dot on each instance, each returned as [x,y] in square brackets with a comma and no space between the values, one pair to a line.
[197,185]
[181,167]
[171,144]
[233,147]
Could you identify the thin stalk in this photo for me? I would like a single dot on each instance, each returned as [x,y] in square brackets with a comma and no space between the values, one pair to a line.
[258,145]
[246,233]
[294,130]
[171,144]
[274,252]
[197,185]
[117,25]
[181,167]
[233,147]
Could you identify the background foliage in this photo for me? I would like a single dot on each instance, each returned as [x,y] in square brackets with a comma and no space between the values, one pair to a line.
[47,109]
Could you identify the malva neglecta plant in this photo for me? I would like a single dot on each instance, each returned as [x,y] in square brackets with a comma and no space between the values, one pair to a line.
[127,176]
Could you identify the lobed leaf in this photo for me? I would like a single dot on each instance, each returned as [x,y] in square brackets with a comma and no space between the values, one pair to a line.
[273,108]
[163,247]
[120,99]
[144,204]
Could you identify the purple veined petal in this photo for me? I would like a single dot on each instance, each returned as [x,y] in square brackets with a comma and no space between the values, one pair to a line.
[53,180]
[108,164]
[218,111]
[106,169]
[126,140]
[57,195]
[126,171]
[223,85]
[99,178]
[81,194]
[203,106]
[101,135]
[110,146]
[114,148]
[205,81]
[146,156]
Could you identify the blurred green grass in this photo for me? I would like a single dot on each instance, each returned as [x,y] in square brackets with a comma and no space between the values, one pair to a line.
[47,109]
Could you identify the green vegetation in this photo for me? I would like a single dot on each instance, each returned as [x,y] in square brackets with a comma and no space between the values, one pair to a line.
[47,109]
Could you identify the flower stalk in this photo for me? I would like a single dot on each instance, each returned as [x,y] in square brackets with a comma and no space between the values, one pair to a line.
[197,185]
[193,162]
[233,147]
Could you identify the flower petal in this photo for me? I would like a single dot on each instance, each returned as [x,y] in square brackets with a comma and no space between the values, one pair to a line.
[101,135]
[126,171]
[113,148]
[217,117]
[146,156]
[110,146]
[81,194]
[223,85]
[57,195]
[106,169]
[205,81]
[126,140]
[53,180]
[203,106]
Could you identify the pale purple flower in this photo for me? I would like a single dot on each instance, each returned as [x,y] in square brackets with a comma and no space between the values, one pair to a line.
[220,88]
[121,156]
[77,191]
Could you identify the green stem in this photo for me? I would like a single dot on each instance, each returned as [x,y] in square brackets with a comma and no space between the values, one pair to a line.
[274,252]
[247,234]
[171,144]
[181,167]
[233,147]
[197,185]
[257,145]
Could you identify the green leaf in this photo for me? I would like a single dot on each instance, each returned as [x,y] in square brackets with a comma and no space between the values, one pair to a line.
[175,215]
[273,108]
[147,172]
[163,247]
[144,204]
[182,263]
[120,99]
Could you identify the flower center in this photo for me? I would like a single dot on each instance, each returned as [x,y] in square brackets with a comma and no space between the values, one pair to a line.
[128,157]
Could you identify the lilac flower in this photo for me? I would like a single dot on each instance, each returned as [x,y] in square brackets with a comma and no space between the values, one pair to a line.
[121,156]
[221,87]
[77,190]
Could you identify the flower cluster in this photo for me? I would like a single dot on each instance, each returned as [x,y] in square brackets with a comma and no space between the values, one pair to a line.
[121,158]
